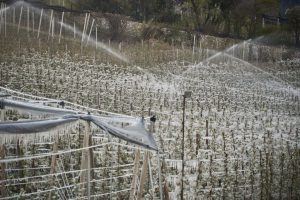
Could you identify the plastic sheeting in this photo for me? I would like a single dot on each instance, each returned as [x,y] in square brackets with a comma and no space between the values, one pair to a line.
[134,133]
[133,129]
[32,107]
[33,126]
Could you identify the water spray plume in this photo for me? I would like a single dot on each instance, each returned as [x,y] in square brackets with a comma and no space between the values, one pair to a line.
[92,41]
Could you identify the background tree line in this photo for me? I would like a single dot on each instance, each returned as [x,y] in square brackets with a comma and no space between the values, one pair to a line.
[227,18]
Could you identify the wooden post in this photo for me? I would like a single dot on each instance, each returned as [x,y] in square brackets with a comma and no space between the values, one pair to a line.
[159,177]
[2,172]
[193,53]
[20,18]
[74,35]
[19,47]
[150,177]
[14,16]
[166,191]
[20,164]
[1,17]
[50,24]
[84,25]
[33,160]
[28,14]
[120,46]
[5,10]
[96,44]
[32,22]
[2,115]
[3,14]
[61,23]
[52,29]
[182,148]
[244,47]
[39,29]
[135,173]
[83,166]
[91,161]
[206,128]
[142,43]
[152,130]
[83,32]
[86,163]
[143,175]
[87,24]
[53,164]
[90,32]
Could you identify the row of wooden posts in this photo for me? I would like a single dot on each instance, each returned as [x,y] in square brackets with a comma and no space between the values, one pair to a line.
[2,156]
[260,100]
[244,50]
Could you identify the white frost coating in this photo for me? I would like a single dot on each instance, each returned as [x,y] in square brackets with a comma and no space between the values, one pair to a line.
[252,116]
[133,131]
[39,137]
[51,154]
[38,108]
[74,105]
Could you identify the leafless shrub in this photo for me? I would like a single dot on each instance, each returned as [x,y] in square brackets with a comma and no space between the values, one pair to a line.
[117,25]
